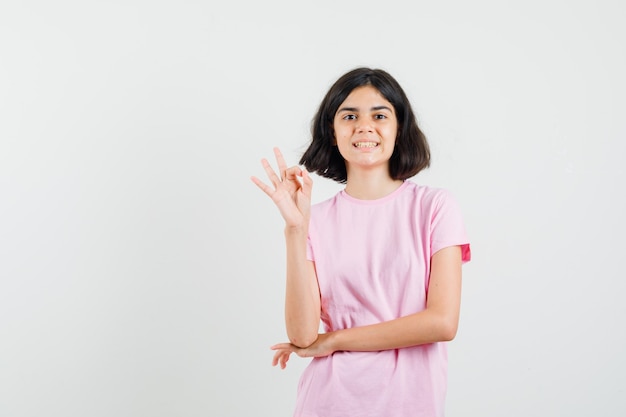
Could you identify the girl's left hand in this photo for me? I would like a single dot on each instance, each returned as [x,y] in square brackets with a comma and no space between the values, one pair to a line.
[320,348]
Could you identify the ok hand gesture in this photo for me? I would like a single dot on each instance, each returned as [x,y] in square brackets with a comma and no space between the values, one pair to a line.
[291,191]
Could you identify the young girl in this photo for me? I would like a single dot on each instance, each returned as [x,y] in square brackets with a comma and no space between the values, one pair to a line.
[379,263]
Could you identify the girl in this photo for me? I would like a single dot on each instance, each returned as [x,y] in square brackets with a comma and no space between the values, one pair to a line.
[379,263]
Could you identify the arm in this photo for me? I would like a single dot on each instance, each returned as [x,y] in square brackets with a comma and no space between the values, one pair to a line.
[291,192]
[437,323]
[302,297]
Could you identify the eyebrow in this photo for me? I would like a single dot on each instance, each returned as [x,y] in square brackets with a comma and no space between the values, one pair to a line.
[355,109]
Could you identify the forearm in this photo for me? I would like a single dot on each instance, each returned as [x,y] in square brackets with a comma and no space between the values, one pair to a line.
[420,328]
[302,299]
[437,323]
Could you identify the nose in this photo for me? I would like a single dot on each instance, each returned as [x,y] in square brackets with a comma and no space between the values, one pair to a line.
[364,126]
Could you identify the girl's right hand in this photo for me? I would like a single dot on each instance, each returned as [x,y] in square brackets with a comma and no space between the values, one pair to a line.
[291,191]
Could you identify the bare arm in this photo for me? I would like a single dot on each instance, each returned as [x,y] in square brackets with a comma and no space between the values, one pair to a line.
[437,323]
[302,297]
[291,192]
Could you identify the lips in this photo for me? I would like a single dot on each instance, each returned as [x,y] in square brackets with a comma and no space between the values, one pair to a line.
[365,144]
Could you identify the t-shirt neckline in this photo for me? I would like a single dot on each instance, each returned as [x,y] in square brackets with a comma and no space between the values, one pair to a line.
[381,200]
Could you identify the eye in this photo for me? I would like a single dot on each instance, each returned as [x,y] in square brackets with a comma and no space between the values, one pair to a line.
[349,117]
[380,116]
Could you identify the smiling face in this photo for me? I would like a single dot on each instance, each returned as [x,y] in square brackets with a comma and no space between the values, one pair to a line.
[366,128]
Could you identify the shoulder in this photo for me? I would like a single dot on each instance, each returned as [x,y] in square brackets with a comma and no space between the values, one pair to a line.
[429,196]
[325,205]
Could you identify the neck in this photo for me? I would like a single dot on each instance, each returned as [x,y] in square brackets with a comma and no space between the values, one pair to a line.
[371,186]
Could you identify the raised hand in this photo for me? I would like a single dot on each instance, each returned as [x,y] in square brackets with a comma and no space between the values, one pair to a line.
[291,191]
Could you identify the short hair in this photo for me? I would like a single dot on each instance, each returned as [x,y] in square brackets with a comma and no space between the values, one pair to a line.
[411,153]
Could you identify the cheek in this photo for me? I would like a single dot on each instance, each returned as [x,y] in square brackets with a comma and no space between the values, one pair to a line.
[392,132]
[342,134]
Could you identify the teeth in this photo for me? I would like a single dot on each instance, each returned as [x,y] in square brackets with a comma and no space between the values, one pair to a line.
[365,144]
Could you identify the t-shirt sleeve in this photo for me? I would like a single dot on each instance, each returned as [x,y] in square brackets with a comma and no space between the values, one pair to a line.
[447,226]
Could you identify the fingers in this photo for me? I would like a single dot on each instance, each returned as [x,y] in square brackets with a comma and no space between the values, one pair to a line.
[286,173]
[291,179]
[281,357]
[261,185]
[270,172]
[280,160]
[292,173]
[282,346]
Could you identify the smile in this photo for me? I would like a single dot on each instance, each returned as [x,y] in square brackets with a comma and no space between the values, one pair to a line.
[365,145]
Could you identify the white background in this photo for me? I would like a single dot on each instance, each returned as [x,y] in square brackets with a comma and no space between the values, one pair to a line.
[141,271]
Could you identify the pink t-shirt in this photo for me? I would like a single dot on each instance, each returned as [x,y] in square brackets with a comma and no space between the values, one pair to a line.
[372,259]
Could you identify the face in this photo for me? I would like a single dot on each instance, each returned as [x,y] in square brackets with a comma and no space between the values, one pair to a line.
[365,129]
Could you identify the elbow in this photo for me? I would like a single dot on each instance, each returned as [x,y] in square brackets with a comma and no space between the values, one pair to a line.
[448,330]
[303,341]
[447,335]
[302,333]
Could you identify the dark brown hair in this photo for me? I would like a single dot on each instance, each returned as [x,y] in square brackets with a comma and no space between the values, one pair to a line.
[411,153]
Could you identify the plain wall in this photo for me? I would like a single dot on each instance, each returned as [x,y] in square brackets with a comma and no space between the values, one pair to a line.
[142,273]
